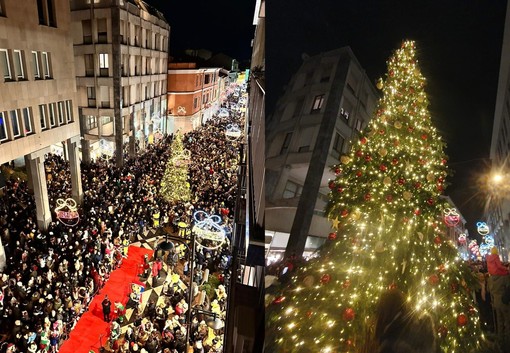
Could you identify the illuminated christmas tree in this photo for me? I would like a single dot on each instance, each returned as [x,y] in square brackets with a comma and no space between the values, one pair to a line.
[387,216]
[174,186]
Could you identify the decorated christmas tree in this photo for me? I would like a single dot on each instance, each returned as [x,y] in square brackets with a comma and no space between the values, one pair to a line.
[174,186]
[388,232]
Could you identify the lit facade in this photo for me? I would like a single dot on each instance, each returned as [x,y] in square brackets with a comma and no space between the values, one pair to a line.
[121,56]
[193,94]
[498,212]
[328,100]
[38,107]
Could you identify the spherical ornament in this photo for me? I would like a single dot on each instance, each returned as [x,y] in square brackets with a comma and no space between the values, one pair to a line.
[401,181]
[382,151]
[430,176]
[383,168]
[430,201]
[338,171]
[340,189]
[279,299]
[387,181]
[348,314]
[440,187]
[424,136]
[420,99]
[309,314]
[443,161]
[359,173]
[437,240]
[371,133]
[383,118]
[389,198]
[331,184]
[379,84]
[379,247]
[398,125]
[410,129]
[308,281]
[346,284]
[392,73]
[368,197]
[422,161]
[472,310]
[381,132]
[359,153]
[417,185]
[356,215]
[363,140]
[407,195]
[462,320]
[344,213]
[368,158]
[396,143]
[442,331]
[433,279]
[332,236]
[405,220]
[441,268]
[394,161]
[345,159]
[417,212]
[325,278]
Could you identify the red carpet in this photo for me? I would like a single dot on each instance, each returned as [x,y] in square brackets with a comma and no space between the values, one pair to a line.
[85,337]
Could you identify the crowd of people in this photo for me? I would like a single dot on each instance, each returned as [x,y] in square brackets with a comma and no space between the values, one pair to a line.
[51,276]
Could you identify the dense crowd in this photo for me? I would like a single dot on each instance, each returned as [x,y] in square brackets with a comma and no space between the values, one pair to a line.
[51,276]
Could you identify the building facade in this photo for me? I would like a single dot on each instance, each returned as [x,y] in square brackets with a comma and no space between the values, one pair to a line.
[193,94]
[498,212]
[121,57]
[38,107]
[328,100]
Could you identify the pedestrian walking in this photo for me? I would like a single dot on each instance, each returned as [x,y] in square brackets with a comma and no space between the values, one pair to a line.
[106,304]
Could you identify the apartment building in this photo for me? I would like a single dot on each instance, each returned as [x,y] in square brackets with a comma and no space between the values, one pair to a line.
[193,94]
[328,100]
[498,211]
[121,54]
[38,104]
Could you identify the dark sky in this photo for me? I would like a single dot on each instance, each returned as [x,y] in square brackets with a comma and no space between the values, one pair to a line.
[459,47]
[224,26]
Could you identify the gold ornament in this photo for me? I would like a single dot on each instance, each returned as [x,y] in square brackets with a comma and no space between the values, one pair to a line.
[308,281]
[383,152]
[379,247]
[387,181]
[407,195]
[398,125]
[356,215]
[430,176]
[420,235]
[384,118]
[379,83]
[345,159]
[420,99]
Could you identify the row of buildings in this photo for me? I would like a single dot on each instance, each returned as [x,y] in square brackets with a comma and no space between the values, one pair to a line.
[87,78]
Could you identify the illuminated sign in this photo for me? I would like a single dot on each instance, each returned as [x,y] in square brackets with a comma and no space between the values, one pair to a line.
[208,227]
[67,212]
[233,131]
[451,217]
[482,228]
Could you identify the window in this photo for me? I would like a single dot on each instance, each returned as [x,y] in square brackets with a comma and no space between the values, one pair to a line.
[2,8]
[3,128]
[42,115]
[46,12]
[207,79]
[69,111]
[298,107]
[292,190]
[35,65]
[89,65]
[105,96]
[102,34]
[16,131]
[359,125]
[61,113]
[4,63]
[91,122]
[105,120]
[91,96]
[317,103]
[18,64]
[87,31]
[27,120]
[338,143]
[40,12]
[52,114]
[46,64]
[286,143]
[195,103]
[103,64]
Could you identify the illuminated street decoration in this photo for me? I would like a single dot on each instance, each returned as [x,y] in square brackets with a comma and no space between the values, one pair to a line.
[208,227]
[182,158]
[482,228]
[487,245]
[233,131]
[474,248]
[106,148]
[462,239]
[67,212]
[451,217]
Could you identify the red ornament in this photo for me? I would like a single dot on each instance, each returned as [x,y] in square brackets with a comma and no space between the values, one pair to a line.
[437,240]
[440,188]
[363,140]
[309,314]
[424,136]
[359,173]
[368,158]
[442,331]
[410,129]
[368,197]
[434,279]
[340,189]
[394,161]
[332,236]
[417,185]
[405,219]
[441,268]
[359,153]
[401,181]
[279,299]
[392,286]
[472,310]
[383,168]
[348,314]
[422,161]
[325,279]
[381,132]
[392,73]
[396,143]
[338,171]
[331,184]
[389,198]
[430,202]
[462,320]
[417,212]
[443,162]
[344,213]
[346,284]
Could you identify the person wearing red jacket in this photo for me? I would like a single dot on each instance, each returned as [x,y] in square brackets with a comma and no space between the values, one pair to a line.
[498,281]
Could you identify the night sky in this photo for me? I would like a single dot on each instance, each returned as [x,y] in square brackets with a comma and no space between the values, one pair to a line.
[222,26]
[459,48]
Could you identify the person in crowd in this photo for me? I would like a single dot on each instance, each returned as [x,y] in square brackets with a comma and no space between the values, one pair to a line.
[106,304]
